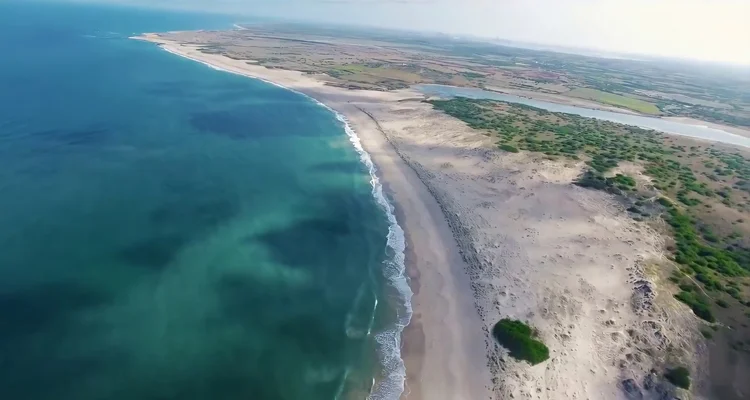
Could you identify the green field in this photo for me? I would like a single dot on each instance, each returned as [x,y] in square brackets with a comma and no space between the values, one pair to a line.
[374,71]
[615,100]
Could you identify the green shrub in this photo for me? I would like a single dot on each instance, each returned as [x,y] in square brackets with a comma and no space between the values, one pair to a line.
[594,180]
[665,202]
[707,334]
[623,180]
[692,250]
[519,339]
[509,148]
[679,377]
[687,287]
[734,292]
[698,303]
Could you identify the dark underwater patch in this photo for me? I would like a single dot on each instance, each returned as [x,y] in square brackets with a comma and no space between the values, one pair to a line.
[293,327]
[240,297]
[36,309]
[304,242]
[35,325]
[247,301]
[259,121]
[179,224]
[200,216]
[155,252]
[321,338]
[75,137]
[231,124]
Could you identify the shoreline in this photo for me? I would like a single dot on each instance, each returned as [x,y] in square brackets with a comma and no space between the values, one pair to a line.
[492,235]
[418,211]
[396,240]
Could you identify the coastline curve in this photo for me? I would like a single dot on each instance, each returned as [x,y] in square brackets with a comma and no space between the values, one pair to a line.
[388,342]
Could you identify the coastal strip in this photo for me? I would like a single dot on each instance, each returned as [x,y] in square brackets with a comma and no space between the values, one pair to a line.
[443,345]
[389,340]
[492,235]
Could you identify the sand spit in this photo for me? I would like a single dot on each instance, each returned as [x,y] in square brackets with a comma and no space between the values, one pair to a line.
[493,235]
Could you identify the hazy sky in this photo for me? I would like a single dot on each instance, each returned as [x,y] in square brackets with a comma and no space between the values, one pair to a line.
[716,30]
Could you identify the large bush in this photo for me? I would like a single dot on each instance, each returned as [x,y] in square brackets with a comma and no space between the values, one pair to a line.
[679,377]
[520,341]
[509,148]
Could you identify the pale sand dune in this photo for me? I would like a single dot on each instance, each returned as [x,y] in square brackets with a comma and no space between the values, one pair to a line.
[493,235]
[542,250]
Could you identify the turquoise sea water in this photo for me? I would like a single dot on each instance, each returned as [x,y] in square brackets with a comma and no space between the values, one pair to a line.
[168,231]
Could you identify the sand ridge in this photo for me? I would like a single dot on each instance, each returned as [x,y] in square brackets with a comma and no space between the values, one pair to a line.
[493,235]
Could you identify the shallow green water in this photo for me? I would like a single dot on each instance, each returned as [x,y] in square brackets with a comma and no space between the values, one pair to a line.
[169,231]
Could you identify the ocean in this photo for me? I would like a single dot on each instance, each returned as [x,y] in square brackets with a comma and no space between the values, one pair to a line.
[170,231]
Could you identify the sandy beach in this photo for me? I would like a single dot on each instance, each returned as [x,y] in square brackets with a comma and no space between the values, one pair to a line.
[492,235]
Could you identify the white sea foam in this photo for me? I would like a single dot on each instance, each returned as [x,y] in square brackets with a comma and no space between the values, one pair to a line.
[389,340]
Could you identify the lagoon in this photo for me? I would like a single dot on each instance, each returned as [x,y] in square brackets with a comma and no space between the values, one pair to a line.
[657,124]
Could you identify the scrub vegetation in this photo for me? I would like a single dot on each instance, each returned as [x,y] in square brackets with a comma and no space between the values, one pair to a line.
[697,194]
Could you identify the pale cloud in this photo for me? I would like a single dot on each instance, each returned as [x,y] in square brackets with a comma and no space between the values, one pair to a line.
[716,30]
